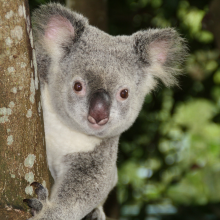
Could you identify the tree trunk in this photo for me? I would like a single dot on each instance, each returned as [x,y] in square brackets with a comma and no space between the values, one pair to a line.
[23,155]
[94,10]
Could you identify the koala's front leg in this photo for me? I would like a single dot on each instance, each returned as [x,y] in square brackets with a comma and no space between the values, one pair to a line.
[36,205]
[85,182]
[43,209]
[73,197]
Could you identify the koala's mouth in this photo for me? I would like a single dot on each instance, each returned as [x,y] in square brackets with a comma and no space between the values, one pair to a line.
[99,109]
[95,122]
[96,126]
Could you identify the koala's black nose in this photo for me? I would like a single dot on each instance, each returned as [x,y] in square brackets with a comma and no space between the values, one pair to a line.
[99,108]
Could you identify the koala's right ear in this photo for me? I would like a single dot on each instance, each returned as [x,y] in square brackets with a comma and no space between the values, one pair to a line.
[162,51]
[56,29]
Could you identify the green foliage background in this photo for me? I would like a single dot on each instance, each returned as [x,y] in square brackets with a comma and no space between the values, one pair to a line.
[169,161]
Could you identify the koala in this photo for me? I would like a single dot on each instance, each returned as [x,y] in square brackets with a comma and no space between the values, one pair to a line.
[93,86]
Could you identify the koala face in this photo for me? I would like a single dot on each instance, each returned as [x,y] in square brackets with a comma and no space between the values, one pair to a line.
[99,87]
[97,82]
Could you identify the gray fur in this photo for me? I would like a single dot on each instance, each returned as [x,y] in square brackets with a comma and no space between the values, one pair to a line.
[80,52]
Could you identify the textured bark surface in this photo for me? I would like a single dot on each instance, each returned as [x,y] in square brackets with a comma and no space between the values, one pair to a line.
[22,154]
[94,10]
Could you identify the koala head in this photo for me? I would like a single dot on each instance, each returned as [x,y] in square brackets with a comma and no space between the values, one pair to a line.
[96,82]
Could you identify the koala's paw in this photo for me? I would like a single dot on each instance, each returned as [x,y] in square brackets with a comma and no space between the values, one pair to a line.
[96,214]
[37,204]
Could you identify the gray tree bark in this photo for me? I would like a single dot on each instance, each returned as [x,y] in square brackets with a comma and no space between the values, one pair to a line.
[94,10]
[22,154]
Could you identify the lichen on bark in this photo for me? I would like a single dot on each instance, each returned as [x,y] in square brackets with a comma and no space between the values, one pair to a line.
[22,155]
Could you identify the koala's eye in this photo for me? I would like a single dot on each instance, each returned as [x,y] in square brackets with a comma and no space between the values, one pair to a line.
[78,87]
[124,94]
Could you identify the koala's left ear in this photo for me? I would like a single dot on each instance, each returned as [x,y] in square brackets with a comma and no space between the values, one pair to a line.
[162,51]
[56,29]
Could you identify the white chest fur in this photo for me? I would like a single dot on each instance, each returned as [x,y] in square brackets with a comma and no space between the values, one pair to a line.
[60,139]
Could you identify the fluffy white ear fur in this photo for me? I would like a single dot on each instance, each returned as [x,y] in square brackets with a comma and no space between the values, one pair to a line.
[58,33]
[169,54]
[163,50]
[159,52]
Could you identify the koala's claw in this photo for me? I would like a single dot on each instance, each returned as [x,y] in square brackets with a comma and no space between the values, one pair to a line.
[34,204]
[40,190]
[37,204]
